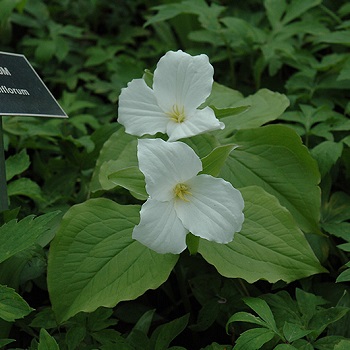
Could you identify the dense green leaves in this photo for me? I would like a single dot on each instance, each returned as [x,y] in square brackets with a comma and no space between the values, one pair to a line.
[94,261]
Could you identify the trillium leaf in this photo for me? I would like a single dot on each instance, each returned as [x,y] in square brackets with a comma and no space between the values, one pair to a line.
[132,179]
[117,147]
[274,158]
[265,106]
[12,305]
[270,245]
[214,161]
[94,262]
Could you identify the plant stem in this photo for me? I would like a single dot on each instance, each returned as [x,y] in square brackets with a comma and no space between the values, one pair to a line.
[3,185]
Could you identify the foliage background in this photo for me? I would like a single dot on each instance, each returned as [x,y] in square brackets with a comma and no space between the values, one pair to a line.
[86,51]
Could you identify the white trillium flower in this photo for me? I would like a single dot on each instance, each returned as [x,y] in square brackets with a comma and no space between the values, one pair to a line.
[181,201]
[181,83]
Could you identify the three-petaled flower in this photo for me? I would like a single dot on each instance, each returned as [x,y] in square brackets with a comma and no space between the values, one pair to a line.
[181,83]
[180,200]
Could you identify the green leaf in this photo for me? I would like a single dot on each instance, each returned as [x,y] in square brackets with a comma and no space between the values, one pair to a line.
[12,305]
[17,236]
[274,158]
[274,11]
[94,261]
[327,153]
[253,339]
[265,106]
[116,147]
[344,276]
[308,303]
[293,331]
[245,317]
[270,245]
[4,342]
[46,341]
[263,310]
[25,187]
[17,164]
[214,161]
[164,334]
[332,342]
[285,347]
[297,7]
[132,179]
[325,317]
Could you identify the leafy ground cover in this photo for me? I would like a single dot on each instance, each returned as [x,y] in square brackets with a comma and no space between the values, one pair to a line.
[72,277]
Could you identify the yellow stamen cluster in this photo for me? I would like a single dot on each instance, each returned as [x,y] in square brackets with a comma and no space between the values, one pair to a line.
[177,114]
[181,190]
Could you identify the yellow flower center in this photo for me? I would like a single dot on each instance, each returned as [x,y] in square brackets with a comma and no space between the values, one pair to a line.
[181,190]
[177,114]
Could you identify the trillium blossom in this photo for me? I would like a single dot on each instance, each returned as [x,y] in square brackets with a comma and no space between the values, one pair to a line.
[181,201]
[181,83]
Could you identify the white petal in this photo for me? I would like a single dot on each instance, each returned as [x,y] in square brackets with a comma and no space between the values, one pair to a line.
[214,210]
[166,164]
[202,120]
[160,229]
[183,80]
[138,110]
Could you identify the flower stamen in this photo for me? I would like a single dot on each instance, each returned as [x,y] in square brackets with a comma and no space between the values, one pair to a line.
[181,190]
[177,114]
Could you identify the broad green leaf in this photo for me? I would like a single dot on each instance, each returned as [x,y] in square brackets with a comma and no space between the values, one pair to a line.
[222,97]
[253,339]
[132,179]
[263,310]
[94,261]
[270,245]
[17,164]
[265,106]
[164,334]
[274,158]
[12,305]
[213,162]
[113,149]
[17,236]
[46,341]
